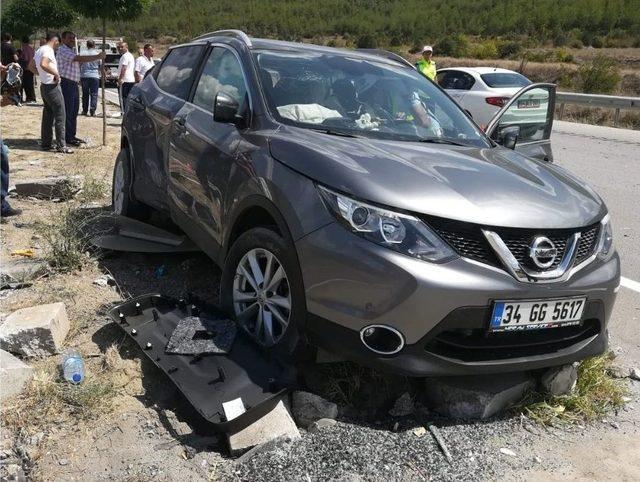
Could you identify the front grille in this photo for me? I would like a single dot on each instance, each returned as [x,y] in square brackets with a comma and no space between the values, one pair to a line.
[468,241]
[588,243]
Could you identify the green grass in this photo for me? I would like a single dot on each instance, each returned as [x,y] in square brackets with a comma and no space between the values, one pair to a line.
[93,189]
[66,237]
[595,395]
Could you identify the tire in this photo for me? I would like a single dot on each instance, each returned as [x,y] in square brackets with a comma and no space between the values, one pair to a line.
[122,201]
[262,242]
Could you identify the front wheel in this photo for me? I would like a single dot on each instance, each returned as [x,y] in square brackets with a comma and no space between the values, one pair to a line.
[262,287]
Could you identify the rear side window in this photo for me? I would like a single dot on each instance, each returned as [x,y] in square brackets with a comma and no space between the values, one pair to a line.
[455,80]
[177,71]
[505,79]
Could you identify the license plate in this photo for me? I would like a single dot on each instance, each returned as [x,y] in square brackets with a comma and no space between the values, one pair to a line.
[536,314]
[528,104]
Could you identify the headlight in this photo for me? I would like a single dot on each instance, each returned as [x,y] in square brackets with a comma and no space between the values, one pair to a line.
[399,232]
[606,237]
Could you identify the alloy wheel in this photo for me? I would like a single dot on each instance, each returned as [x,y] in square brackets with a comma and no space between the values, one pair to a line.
[262,296]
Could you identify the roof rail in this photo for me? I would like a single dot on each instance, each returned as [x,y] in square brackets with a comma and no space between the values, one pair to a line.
[387,55]
[239,34]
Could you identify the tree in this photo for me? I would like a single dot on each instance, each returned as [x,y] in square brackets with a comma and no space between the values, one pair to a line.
[114,10]
[25,18]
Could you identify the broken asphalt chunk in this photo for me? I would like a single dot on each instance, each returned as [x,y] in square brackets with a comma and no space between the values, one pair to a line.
[60,187]
[274,424]
[476,397]
[308,407]
[16,273]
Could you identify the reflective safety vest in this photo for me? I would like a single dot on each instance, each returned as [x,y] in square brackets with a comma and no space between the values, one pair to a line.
[428,68]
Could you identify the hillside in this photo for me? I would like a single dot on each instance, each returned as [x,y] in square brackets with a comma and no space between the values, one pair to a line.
[393,22]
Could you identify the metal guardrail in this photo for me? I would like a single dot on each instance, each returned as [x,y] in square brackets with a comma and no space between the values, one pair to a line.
[598,100]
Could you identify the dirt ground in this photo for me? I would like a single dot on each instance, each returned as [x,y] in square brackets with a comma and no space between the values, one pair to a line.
[147,431]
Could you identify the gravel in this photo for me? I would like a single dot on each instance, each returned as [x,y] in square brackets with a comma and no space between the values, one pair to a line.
[352,450]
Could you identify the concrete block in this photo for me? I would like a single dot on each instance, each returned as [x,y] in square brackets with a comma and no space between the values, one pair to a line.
[37,331]
[559,380]
[476,397]
[276,423]
[60,187]
[14,374]
[308,407]
[16,273]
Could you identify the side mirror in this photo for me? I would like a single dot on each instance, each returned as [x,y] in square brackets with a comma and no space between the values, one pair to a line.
[225,108]
[508,136]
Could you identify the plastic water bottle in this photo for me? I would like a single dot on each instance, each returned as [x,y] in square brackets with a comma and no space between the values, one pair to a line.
[73,367]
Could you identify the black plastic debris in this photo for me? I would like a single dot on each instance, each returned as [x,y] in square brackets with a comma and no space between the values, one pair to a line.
[126,234]
[246,377]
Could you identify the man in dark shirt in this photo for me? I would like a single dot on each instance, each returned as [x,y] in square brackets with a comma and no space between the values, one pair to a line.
[8,52]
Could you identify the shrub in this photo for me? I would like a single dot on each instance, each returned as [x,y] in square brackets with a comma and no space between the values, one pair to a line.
[367,41]
[485,50]
[537,55]
[560,40]
[600,75]
[509,49]
[576,43]
[455,46]
[562,55]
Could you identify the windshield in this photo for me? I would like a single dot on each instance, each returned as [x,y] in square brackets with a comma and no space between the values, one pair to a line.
[346,95]
[505,79]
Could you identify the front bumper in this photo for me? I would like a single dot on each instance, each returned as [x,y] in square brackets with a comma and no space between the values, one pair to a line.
[442,310]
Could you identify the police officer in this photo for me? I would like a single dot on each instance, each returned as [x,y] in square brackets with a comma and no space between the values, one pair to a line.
[425,65]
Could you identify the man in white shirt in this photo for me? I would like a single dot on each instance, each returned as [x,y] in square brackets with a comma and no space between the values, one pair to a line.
[45,65]
[144,63]
[126,77]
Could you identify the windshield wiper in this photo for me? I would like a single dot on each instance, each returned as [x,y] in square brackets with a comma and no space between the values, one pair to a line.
[331,132]
[440,140]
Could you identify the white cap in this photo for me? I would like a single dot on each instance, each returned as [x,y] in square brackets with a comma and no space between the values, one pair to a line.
[427,48]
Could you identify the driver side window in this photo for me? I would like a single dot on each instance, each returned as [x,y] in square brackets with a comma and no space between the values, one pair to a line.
[221,73]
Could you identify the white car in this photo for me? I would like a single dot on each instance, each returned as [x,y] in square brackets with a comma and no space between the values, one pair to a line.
[482,91]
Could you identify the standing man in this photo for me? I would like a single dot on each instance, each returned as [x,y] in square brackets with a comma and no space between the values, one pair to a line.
[425,65]
[90,80]
[69,67]
[27,76]
[46,65]
[9,54]
[144,63]
[126,78]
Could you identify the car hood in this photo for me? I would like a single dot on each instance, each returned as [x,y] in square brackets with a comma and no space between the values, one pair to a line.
[489,186]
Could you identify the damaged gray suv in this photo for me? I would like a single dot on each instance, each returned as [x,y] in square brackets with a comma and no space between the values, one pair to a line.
[353,206]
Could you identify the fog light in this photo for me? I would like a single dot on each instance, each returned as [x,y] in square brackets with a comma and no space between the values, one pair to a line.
[382,339]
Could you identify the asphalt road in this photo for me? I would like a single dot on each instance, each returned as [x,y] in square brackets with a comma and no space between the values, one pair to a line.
[609,160]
